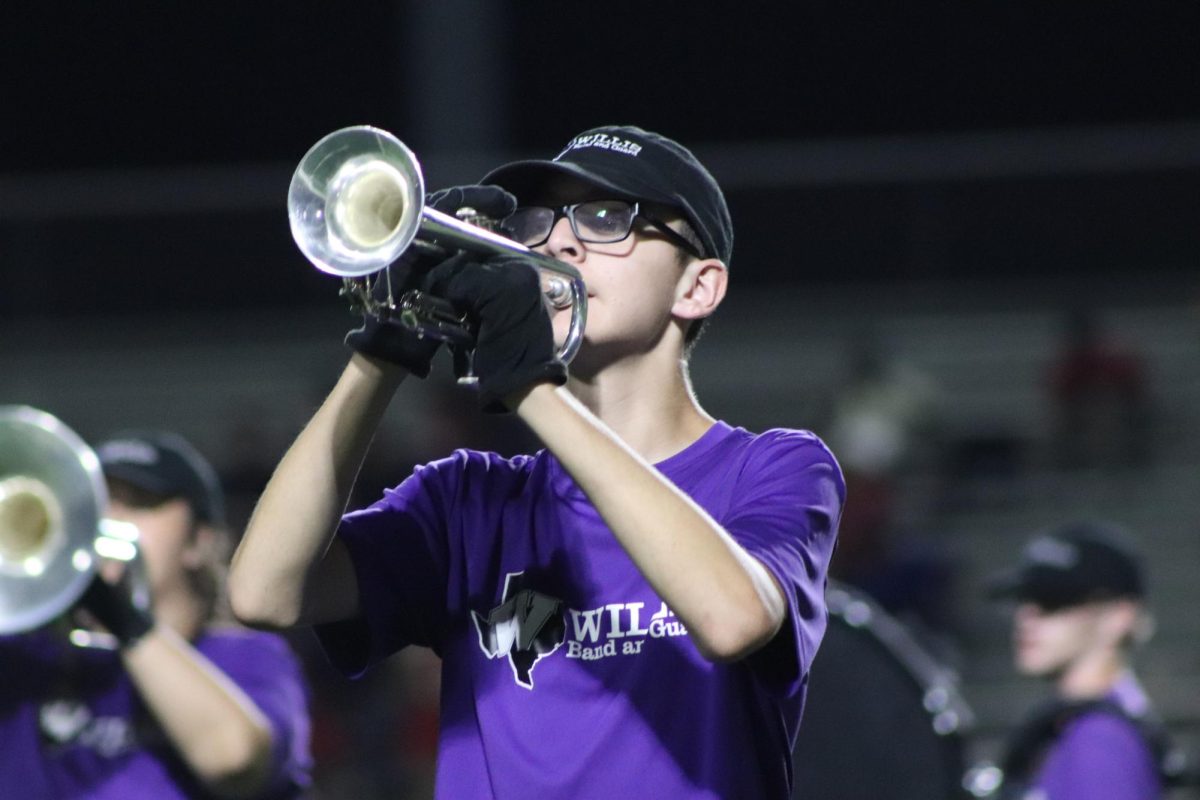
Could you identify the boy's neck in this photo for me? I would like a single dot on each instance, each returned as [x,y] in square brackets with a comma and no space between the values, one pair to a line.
[1094,675]
[649,405]
[183,611]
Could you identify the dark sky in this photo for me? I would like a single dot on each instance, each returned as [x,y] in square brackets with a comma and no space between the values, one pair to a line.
[87,84]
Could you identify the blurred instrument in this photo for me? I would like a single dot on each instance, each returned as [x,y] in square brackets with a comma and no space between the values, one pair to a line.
[357,205]
[52,531]
[883,717]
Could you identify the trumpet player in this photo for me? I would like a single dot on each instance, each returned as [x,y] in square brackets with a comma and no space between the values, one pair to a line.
[632,610]
[161,701]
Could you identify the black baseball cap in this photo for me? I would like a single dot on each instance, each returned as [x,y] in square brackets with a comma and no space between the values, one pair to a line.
[165,464]
[1073,564]
[634,164]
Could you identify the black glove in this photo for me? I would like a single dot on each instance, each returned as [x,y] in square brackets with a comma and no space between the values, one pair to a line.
[114,608]
[515,340]
[388,339]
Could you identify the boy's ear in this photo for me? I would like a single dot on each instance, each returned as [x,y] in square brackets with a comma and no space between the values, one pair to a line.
[701,289]
[1121,620]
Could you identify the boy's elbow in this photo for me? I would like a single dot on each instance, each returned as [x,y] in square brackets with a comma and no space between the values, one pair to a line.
[254,606]
[733,639]
[289,595]
[241,768]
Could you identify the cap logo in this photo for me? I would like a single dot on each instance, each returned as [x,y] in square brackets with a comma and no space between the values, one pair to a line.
[1053,553]
[601,141]
[129,452]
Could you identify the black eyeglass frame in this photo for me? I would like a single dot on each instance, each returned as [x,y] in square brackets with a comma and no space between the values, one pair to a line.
[568,211]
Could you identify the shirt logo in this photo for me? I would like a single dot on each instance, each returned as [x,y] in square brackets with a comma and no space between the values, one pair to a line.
[526,627]
[619,629]
[70,723]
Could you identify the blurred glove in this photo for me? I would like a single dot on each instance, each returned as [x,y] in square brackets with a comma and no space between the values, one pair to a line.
[113,606]
[387,339]
[515,340]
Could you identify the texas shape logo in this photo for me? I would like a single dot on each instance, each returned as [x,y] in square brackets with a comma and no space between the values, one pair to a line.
[525,627]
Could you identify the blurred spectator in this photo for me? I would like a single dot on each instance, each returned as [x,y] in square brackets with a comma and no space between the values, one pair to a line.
[883,414]
[1098,391]
[882,426]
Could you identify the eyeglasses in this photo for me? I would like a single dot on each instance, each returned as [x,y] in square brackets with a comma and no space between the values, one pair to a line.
[596,221]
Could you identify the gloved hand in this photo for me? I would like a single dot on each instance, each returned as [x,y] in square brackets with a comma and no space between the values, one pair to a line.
[515,340]
[390,341]
[387,339]
[113,606]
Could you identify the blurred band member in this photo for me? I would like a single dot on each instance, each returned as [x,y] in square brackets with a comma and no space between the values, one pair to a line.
[1080,611]
[173,703]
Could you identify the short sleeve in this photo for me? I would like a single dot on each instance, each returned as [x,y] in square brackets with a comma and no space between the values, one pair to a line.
[785,512]
[264,667]
[398,548]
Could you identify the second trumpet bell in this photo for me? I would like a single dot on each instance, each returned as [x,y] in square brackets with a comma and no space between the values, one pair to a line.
[52,497]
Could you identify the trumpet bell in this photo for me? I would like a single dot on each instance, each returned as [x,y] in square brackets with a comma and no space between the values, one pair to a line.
[52,498]
[355,201]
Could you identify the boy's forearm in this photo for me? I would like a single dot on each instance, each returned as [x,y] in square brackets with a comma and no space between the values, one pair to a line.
[290,530]
[219,732]
[727,599]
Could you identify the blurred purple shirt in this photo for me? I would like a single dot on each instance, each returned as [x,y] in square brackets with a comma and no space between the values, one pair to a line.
[1100,755]
[72,725]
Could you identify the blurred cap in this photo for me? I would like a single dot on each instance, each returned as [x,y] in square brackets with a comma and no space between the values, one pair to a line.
[634,164]
[1073,564]
[165,464]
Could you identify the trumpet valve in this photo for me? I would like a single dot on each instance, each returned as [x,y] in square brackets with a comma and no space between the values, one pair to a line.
[557,291]
[470,216]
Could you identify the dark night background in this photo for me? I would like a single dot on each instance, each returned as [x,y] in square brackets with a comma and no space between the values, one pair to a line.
[91,90]
[948,180]
[96,86]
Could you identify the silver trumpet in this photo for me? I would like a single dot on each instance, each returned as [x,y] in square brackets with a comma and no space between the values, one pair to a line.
[53,534]
[357,205]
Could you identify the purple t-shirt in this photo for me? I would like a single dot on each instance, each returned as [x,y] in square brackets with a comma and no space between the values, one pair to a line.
[1100,754]
[564,675]
[72,725]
